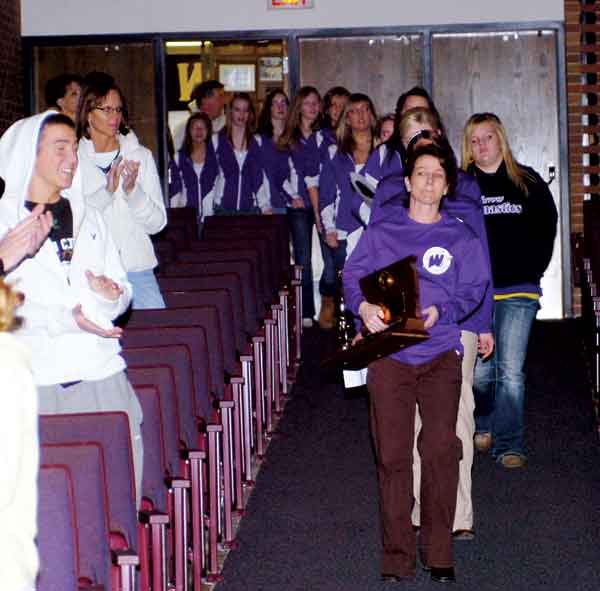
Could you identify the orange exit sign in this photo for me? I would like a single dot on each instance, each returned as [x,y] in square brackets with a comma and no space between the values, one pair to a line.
[291,3]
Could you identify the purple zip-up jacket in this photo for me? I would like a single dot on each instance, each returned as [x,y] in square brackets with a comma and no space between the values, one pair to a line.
[464,204]
[320,142]
[452,269]
[380,164]
[198,189]
[276,167]
[243,190]
[303,171]
[337,198]
[174,178]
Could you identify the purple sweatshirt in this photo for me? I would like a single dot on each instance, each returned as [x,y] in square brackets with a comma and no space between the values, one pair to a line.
[245,189]
[464,204]
[452,269]
[338,201]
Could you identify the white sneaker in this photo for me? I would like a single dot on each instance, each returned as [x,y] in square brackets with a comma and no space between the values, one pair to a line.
[307,322]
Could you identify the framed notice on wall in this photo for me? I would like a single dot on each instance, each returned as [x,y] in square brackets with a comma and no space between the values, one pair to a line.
[270,69]
[238,77]
[290,3]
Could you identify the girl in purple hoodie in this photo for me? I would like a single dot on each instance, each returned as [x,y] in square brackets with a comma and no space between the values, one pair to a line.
[453,277]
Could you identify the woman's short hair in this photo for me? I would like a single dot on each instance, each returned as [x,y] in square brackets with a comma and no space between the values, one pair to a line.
[95,88]
[56,88]
[444,155]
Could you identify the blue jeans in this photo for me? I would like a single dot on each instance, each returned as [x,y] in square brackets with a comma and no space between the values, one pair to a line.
[146,293]
[333,261]
[499,383]
[301,223]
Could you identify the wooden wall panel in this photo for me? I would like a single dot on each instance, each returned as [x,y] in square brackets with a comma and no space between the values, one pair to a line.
[381,67]
[11,64]
[513,75]
[132,65]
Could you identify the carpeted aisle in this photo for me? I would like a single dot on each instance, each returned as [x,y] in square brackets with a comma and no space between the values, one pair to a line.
[312,521]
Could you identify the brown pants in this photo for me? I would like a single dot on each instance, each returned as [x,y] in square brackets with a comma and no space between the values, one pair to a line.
[395,389]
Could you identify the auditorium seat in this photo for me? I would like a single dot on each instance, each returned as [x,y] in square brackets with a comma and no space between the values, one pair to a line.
[57,523]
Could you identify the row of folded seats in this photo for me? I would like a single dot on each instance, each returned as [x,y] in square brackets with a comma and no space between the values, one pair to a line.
[211,372]
[588,263]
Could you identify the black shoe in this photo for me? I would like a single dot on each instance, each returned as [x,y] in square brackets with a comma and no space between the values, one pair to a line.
[463,534]
[389,578]
[443,574]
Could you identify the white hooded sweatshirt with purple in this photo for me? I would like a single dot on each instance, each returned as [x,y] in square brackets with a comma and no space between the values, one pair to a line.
[452,269]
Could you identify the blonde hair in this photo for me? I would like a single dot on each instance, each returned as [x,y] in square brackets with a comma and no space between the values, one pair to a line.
[516,173]
[344,135]
[9,301]
[418,116]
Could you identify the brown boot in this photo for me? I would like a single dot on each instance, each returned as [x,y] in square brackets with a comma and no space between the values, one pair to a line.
[327,313]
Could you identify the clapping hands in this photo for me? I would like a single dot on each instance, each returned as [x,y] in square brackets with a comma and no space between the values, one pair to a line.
[127,170]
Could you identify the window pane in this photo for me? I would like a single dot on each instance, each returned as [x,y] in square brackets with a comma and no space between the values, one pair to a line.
[381,67]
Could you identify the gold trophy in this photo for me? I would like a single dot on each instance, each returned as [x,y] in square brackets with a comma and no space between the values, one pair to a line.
[395,289]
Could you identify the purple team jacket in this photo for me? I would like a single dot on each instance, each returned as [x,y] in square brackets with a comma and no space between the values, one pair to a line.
[276,167]
[338,201]
[320,141]
[196,188]
[382,164]
[452,269]
[244,190]
[174,178]
[303,171]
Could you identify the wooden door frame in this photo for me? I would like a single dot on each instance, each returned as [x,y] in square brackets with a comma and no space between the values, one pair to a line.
[293,38]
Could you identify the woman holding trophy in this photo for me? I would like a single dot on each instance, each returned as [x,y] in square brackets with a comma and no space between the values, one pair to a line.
[452,280]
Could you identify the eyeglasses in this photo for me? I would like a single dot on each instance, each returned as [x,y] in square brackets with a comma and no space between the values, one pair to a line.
[109,110]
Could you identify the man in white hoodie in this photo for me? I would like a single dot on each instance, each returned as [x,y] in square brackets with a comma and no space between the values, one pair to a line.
[75,284]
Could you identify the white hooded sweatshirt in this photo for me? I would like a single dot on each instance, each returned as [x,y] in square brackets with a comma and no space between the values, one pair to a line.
[18,467]
[131,218]
[61,351]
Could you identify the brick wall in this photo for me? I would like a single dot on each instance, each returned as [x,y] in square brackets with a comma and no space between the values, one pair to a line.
[11,67]
[582,26]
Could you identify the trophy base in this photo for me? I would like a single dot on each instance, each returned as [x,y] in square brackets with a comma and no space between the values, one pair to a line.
[377,345]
